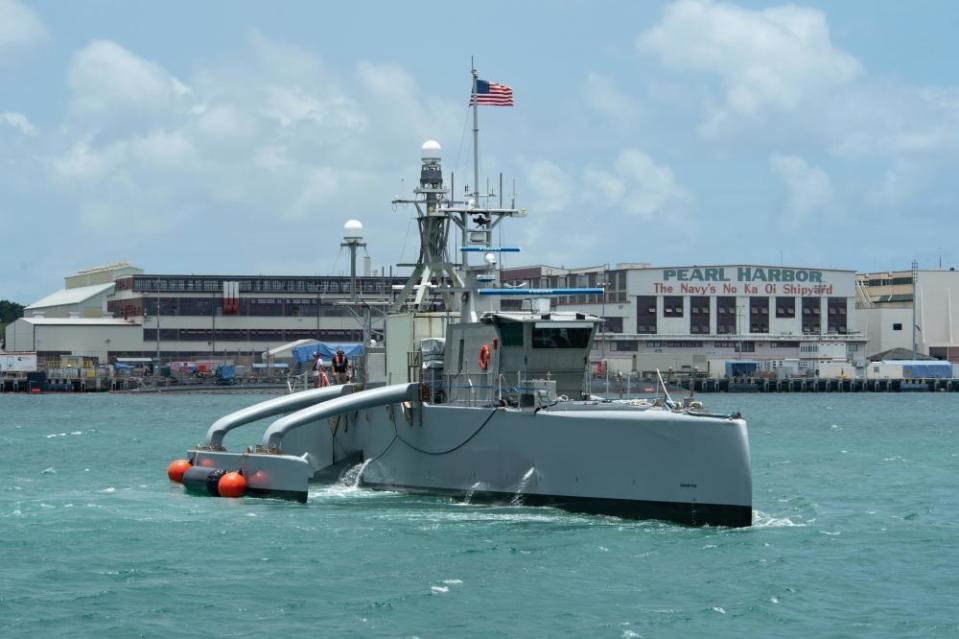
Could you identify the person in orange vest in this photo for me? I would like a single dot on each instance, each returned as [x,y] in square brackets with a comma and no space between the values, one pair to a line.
[341,367]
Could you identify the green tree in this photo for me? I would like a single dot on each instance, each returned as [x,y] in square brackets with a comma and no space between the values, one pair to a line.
[9,312]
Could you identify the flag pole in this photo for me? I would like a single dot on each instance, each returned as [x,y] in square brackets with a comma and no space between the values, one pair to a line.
[475,135]
[475,75]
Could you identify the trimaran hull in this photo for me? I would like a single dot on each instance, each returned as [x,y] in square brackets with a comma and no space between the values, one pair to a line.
[635,463]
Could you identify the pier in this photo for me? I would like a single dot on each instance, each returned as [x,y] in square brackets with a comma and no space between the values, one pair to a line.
[815,385]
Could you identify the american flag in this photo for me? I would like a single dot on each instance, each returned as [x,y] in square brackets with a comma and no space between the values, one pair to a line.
[492,94]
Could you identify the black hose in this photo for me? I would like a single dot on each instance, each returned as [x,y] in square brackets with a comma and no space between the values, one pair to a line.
[454,448]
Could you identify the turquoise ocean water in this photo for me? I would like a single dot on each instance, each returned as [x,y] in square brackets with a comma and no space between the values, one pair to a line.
[857,534]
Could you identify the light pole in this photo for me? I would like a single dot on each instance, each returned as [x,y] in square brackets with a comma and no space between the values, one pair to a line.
[605,284]
[352,240]
[602,348]
[317,310]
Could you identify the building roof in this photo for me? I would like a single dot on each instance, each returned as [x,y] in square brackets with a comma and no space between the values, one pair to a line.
[77,321]
[645,266]
[898,354]
[286,350]
[66,296]
[105,267]
[733,264]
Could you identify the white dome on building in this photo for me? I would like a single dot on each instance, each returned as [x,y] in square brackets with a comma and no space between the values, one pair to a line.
[353,229]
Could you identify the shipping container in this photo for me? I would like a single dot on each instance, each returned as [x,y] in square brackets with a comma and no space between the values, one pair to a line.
[715,367]
[836,370]
[741,367]
[926,369]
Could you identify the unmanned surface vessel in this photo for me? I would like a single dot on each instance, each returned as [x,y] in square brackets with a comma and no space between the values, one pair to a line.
[491,405]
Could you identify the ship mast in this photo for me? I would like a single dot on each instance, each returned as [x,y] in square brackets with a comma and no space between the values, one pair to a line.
[458,283]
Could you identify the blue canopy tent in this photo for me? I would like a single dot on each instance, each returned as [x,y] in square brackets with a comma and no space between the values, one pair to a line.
[327,350]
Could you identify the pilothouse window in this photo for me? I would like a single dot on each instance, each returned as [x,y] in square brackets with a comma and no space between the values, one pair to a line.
[511,333]
[561,337]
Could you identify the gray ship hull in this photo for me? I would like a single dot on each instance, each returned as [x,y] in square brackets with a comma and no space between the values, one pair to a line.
[603,458]
[629,463]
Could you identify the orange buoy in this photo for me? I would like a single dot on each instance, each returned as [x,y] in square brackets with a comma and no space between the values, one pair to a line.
[176,469]
[231,485]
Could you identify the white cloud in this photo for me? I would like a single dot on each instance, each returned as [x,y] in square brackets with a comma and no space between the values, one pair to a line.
[404,106]
[766,61]
[774,78]
[552,188]
[81,163]
[113,86]
[900,182]
[292,105]
[808,188]
[636,184]
[632,189]
[19,122]
[891,120]
[19,26]
[602,95]
[608,188]
[320,188]
[271,137]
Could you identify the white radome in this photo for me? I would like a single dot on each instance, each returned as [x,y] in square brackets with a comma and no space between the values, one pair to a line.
[431,150]
[353,229]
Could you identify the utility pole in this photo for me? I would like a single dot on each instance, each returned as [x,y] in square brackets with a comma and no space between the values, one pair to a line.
[155,372]
[915,294]
[213,322]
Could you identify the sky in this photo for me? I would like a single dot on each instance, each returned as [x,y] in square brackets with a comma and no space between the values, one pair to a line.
[238,137]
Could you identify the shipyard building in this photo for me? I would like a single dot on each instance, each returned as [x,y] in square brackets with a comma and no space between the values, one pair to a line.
[888,301]
[678,318]
[696,318]
[118,311]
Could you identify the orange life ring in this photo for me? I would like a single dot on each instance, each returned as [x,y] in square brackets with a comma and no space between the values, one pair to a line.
[484,357]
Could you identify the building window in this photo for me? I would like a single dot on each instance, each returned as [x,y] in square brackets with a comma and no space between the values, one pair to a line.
[646,314]
[613,324]
[725,315]
[811,320]
[836,315]
[758,314]
[786,307]
[739,346]
[699,315]
[629,345]
[897,326]
[511,305]
[672,306]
